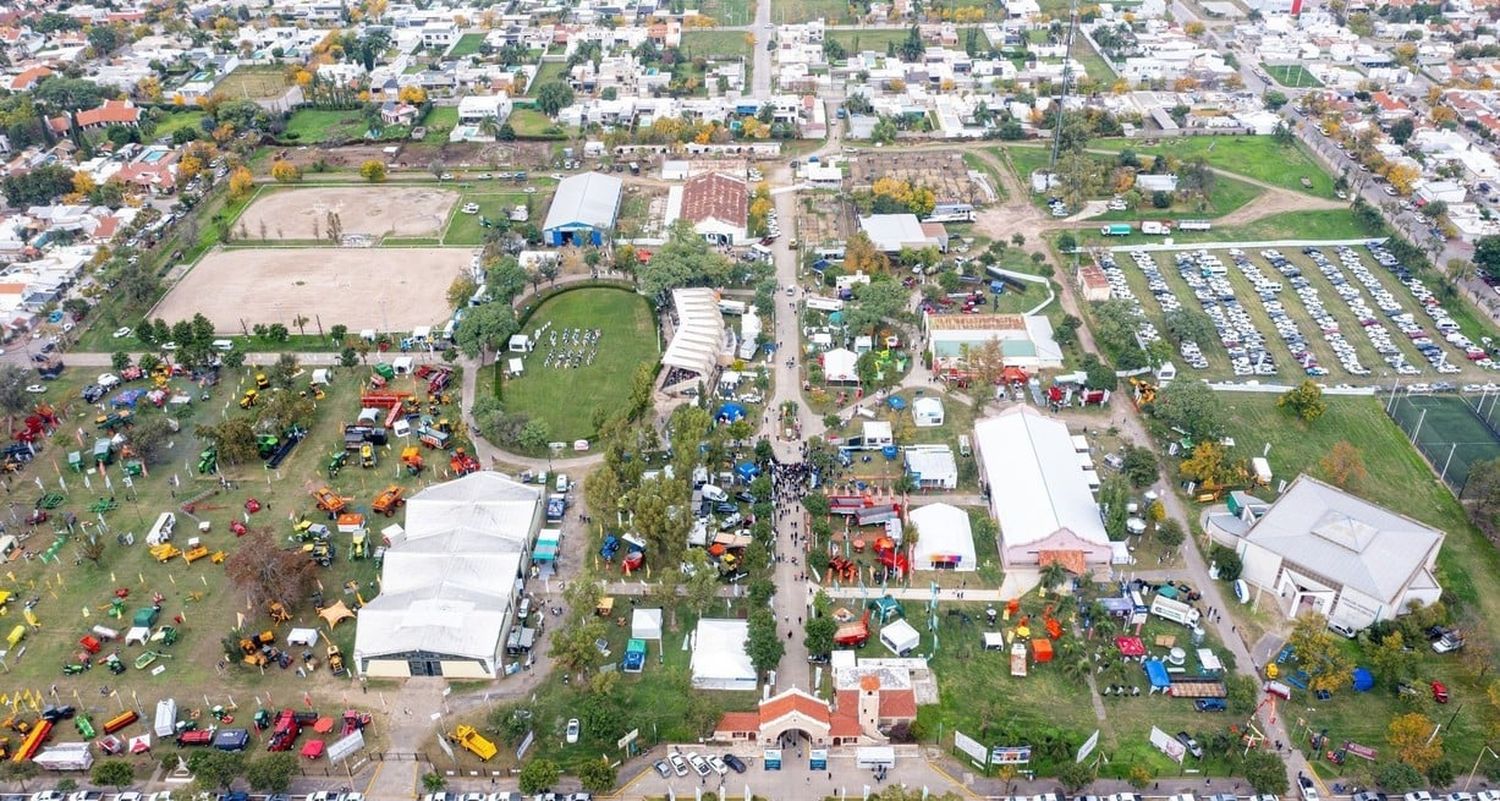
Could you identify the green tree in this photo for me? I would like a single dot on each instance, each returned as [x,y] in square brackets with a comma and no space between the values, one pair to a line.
[535,435]
[216,770]
[554,96]
[1327,664]
[1266,772]
[1139,465]
[113,773]
[819,636]
[1487,255]
[119,360]
[1075,776]
[271,773]
[485,329]
[702,584]
[434,782]
[1305,400]
[685,260]
[597,776]
[1398,777]
[763,645]
[1170,533]
[1191,407]
[538,775]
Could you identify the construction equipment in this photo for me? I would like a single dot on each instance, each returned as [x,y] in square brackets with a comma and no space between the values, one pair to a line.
[208,461]
[278,612]
[330,502]
[261,382]
[472,741]
[461,463]
[366,455]
[321,551]
[336,463]
[411,456]
[336,660]
[388,501]
[359,545]
[165,552]
[194,552]
[250,398]
[114,420]
[1144,391]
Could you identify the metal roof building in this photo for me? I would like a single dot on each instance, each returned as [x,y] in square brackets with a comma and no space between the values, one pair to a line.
[583,210]
[1319,548]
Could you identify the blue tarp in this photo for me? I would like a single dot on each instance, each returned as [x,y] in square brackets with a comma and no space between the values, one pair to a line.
[890,451]
[1363,681]
[747,470]
[729,412]
[896,402]
[1157,673]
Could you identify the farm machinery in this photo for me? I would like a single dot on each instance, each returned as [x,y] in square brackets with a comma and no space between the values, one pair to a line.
[411,457]
[336,463]
[388,501]
[331,502]
[461,463]
[336,660]
[853,633]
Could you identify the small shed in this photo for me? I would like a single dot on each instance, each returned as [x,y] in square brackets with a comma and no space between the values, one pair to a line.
[320,376]
[645,624]
[1209,661]
[403,365]
[994,641]
[927,412]
[878,433]
[520,343]
[514,367]
[308,637]
[900,638]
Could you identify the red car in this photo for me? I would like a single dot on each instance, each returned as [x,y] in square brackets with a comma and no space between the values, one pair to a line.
[1439,692]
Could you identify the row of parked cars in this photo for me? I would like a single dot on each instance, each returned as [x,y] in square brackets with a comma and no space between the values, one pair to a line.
[1312,301]
[681,763]
[1208,278]
[1446,326]
[507,796]
[1379,336]
[1119,289]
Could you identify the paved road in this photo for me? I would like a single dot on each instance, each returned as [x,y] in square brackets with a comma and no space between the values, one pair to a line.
[761,78]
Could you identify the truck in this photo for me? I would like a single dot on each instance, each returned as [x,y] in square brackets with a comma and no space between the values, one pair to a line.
[1115,229]
[1156,228]
[732,307]
[1175,611]
[472,741]
[1194,225]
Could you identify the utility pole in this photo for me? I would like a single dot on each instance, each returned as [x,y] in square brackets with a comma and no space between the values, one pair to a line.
[1067,81]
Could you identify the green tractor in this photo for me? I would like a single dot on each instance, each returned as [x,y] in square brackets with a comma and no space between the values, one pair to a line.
[208,461]
[266,444]
[336,463]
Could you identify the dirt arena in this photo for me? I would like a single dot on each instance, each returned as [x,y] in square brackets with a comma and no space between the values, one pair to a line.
[373,211]
[392,289]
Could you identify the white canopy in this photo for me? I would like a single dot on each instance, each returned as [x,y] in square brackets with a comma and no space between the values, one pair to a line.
[699,336]
[994,641]
[838,365]
[719,661]
[645,624]
[946,540]
[1036,486]
[307,637]
[899,637]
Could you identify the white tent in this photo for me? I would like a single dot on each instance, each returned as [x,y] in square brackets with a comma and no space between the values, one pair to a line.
[699,336]
[307,637]
[946,541]
[320,376]
[645,624]
[403,365]
[719,661]
[838,365]
[994,641]
[927,412]
[900,637]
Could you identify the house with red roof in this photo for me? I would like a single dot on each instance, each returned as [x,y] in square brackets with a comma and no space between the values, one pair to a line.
[29,78]
[858,715]
[113,112]
[718,207]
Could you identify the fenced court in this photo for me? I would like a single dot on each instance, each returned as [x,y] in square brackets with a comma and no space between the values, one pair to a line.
[1454,432]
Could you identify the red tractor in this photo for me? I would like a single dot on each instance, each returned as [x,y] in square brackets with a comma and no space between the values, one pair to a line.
[284,733]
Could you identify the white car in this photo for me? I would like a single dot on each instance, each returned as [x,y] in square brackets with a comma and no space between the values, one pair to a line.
[169,346]
[470,208]
[679,765]
[36,389]
[700,765]
[718,765]
[121,333]
[572,731]
[108,380]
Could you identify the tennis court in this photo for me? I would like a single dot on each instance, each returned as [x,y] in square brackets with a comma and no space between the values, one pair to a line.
[1452,431]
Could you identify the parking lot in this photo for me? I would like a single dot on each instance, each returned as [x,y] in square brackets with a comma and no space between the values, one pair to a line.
[1335,314]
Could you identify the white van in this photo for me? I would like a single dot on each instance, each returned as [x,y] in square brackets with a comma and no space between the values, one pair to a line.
[560,483]
[964,448]
[224,345]
[714,494]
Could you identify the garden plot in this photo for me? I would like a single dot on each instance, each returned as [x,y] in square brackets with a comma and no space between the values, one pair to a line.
[821,220]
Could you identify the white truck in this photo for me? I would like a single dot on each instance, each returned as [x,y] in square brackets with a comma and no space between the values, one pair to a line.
[1194,225]
[1175,611]
[1156,228]
[731,307]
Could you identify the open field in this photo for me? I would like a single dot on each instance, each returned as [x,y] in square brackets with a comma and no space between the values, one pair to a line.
[1293,75]
[1259,157]
[1322,224]
[467,45]
[546,72]
[1398,479]
[835,12]
[1226,195]
[254,82]
[439,122]
[876,39]
[1094,64]
[179,120]
[531,123]
[729,12]
[716,44]
[384,289]
[568,398]
[372,211]
[467,229]
[314,126]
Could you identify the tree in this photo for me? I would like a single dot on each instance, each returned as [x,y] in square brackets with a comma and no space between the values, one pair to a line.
[1139,465]
[372,171]
[1398,777]
[119,360]
[19,772]
[113,773]
[241,181]
[1327,665]
[1414,738]
[860,255]
[14,400]
[285,171]
[1266,772]
[1075,776]
[266,572]
[271,773]
[1403,178]
[1343,466]
[1192,407]
[1189,325]
[702,583]
[538,775]
[484,329]
[597,776]
[1402,129]
[877,302]
[434,782]
[1170,533]
[214,769]
[554,96]
[819,636]
[461,290]
[149,438]
[1304,400]
[763,645]
[1394,663]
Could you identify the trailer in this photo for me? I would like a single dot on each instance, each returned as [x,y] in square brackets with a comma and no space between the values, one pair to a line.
[166,718]
[1194,225]
[33,742]
[1156,228]
[1115,229]
[66,757]
[1175,611]
[1018,659]
[120,721]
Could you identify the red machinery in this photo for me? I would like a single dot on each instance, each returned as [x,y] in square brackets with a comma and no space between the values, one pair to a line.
[394,402]
[853,634]
[461,463]
[842,568]
[285,732]
[890,556]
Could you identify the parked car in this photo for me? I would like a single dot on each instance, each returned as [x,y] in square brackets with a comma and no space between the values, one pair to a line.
[735,763]
[1190,744]
[679,765]
[1210,705]
[700,765]
[573,728]
[718,765]
[663,769]
[1308,788]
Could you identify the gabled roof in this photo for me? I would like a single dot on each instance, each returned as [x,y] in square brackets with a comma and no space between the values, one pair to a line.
[121,112]
[591,199]
[1037,486]
[1346,538]
[793,701]
[716,197]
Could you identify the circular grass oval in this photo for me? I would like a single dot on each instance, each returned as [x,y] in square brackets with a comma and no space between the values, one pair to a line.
[566,397]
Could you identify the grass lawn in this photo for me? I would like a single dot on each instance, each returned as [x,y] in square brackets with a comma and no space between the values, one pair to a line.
[530,123]
[179,120]
[729,12]
[833,11]
[467,45]
[1311,225]
[1293,75]
[254,82]
[314,126]
[974,162]
[1093,63]
[1259,157]
[1398,479]
[546,72]
[567,398]
[716,44]
[465,229]
[855,41]
[1227,194]
[440,121]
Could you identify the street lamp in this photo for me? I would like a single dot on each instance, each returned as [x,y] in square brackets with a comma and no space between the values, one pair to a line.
[1485,750]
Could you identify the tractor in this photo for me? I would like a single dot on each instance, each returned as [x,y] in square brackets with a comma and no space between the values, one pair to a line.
[336,463]
[411,456]
[250,398]
[388,501]
[461,463]
[208,461]
[366,455]
[336,660]
[261,382]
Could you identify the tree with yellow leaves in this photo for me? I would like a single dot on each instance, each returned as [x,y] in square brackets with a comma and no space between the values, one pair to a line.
[918,200]
[1415,740]
[83,184]
[284,171]
[1119,87]
[240,183]
[372,171]
[414,95]
[1403,178]
[223,133]
[860,255]
[149,88]
[968,15]
[1194,29]
[1185,84]
[188,167]
[753,128]
[302,77]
